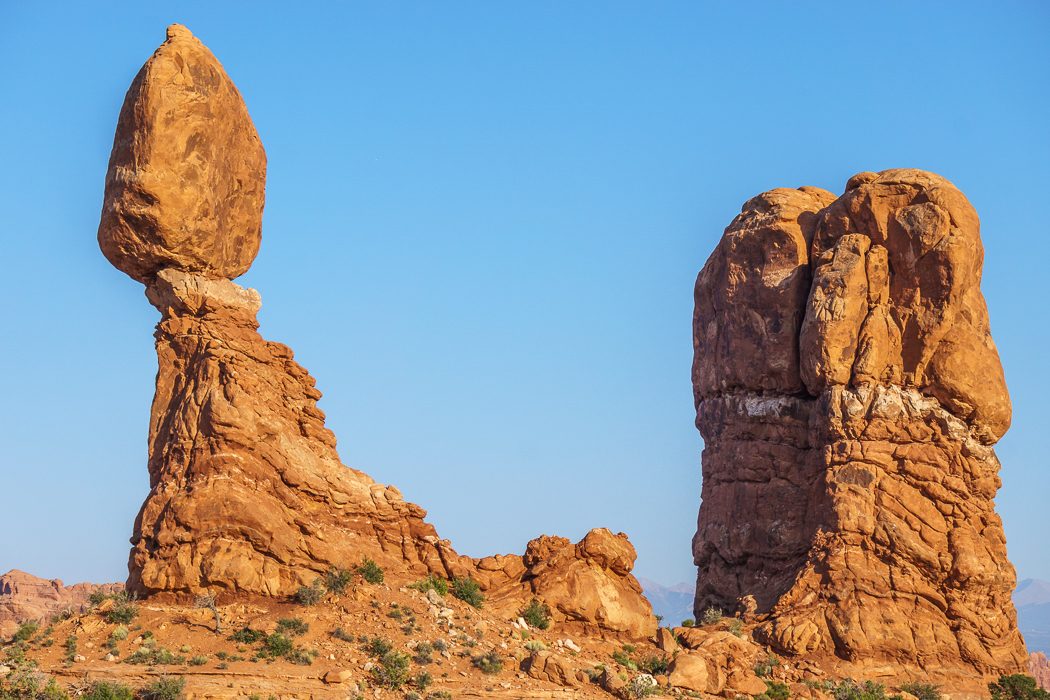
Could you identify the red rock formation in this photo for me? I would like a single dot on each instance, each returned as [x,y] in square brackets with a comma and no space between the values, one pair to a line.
[848,392]
[1039,668]
[24,597]
[247,491]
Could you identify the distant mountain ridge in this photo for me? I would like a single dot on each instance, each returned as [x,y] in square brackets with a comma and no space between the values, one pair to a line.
[672,603]
[1032,599]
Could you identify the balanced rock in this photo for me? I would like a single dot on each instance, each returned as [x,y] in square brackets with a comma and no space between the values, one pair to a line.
[247,491]
[848,392]
[187,173]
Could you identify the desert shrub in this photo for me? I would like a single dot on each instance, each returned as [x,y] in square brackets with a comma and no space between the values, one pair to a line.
[154,656]
[165,688]
[1016,686]
[97,598]
[688,622]
[123,611]
[198,660]
[422,680]
[623,657]
[109,690]
[336,580]
[378,647]
[25,631]
[736,627]
[119,634]
[643,686]
[294,626]
[654,664]
[277,644]
[468,590]
[431,583]
[764,668]
[850,690]
[439,695]
[535,645]
[489,663]
[342,635]
[440,645]
[247,636]
[300,656]
[423,653]
[922,691]
[537,614]
[25,681]
[711,616]
[370,571]
[71,647]
[775,691]
[391,671]
[310,595]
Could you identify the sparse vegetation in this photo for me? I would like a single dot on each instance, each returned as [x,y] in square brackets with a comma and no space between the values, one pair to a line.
[25,681]
[207,602]
[370,571]
[422,681]
[535,645]
[763,669]
[489,663]
[775,691]
[71,648]
[642,686]
[711,616]
[922,691]
[431,583]
[310,595]
[377,647]
[342,635]
[849,689]
[294,626]
[123,611]
[623,657]
[688,622]
[423,653]
[537,614]
[25,631]
[469,591]
[391,671]
[247,636]
[109,690]
[1016,686]
[198,660]
[736,627]
[165,688]
[119,634]
[337,580]
[654,664]
[149,655]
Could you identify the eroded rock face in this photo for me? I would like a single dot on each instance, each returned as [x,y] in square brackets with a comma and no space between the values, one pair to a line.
[187,172]
[848,391]
[247,492]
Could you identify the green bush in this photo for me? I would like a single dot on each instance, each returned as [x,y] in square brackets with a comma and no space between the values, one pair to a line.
[431,583]
[106,690]
[851,690]
[711,616]
[276,645]
[654,664]
[688,622]
[300,656]
[378,647]
[71,647]
[764,668]
[468,590]
[623,657]
[336,580]
[310,595]
[422,681]
[775,691]
[922,691]
[489,663]
[123,610]
[423,653]
[25,631]
[164,689]
[198,660]
[370,571]
[1017,686]
[294,626]
[247,636]
[342,635]
[537,614]
[391,671]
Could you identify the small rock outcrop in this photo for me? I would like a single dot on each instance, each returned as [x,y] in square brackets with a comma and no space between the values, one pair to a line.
[247,491]
[849,393]
[1039,668]
[24,597]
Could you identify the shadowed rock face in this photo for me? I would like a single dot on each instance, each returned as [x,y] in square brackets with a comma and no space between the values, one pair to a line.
[848,391]
[247,492]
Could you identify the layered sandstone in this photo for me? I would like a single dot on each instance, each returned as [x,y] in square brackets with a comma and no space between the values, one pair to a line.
[247,491]
[849,393]
[24,597]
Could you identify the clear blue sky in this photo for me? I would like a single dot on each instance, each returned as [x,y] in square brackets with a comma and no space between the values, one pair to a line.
[482,229]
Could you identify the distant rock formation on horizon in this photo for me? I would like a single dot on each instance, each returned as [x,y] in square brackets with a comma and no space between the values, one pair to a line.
[24,598]
[1032,599]
[247,492]
[849,394]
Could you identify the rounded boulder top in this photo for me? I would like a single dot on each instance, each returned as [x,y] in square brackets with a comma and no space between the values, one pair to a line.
[186,182]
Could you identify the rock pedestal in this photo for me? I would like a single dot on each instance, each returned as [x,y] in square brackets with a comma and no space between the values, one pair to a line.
[849,393]
[247,492]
